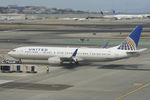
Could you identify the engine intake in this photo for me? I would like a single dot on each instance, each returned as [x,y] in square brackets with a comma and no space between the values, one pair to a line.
[54,60]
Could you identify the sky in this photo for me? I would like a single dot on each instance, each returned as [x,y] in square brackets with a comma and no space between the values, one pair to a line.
[86,5]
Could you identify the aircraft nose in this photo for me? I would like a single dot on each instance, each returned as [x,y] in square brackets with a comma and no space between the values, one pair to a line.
[9,53]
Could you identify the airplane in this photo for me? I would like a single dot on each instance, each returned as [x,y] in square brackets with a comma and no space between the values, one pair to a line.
[60,55]
[80,19]
[125,16]
[75,19]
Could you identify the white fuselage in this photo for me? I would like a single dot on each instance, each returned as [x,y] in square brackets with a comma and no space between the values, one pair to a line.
[44,53]
[125,16]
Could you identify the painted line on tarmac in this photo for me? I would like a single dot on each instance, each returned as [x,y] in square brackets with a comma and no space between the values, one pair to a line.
[5,81]
[92,91]
[86,91]
[133,91]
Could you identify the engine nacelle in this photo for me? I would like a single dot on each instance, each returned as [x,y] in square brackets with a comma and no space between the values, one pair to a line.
[54,60]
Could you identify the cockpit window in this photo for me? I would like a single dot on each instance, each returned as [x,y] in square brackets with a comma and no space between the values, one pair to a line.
[13,50]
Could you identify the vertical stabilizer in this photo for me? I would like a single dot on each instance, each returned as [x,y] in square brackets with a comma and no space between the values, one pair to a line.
[114,12]
[131,42]
[102,13]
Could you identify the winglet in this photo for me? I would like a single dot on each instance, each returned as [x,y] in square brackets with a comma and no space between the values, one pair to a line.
[75,53]
[131,42]
[106,44]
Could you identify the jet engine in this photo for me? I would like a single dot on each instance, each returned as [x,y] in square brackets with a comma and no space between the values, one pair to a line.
[54,60]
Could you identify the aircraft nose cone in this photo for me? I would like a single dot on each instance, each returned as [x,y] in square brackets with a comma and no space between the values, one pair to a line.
[9,53]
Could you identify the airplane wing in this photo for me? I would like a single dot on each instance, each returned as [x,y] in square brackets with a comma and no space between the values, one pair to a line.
[71,59]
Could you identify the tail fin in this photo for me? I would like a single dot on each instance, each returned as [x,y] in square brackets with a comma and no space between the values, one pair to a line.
[131,42]
[102,13]
[114,12]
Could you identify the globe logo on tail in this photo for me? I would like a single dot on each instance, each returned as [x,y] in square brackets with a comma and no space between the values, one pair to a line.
[127,44]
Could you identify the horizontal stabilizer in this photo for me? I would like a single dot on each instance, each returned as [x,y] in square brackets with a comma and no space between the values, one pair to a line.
[136,52]
[141,50]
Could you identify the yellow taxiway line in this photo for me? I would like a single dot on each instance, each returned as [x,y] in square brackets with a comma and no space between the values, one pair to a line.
[131,92]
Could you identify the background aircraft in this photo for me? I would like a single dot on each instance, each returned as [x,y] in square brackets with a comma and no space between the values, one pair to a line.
[125,16]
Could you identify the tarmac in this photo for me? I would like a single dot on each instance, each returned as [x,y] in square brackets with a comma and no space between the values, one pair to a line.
[126,79]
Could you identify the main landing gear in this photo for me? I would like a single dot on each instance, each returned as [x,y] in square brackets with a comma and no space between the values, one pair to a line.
[19,61]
